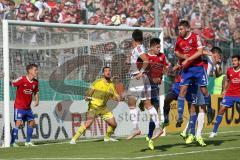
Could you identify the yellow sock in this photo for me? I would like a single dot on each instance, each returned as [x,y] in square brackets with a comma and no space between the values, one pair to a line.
[79,132]
[110,131]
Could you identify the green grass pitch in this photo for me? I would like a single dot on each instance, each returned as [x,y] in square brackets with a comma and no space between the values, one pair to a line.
[226,146]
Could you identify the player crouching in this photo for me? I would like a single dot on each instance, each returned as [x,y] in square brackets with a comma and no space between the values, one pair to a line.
[100,92]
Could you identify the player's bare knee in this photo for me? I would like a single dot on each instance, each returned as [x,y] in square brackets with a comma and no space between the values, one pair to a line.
[204,90]
[88,123]
[114,125]
[18,124]
[31,123]
[222,110]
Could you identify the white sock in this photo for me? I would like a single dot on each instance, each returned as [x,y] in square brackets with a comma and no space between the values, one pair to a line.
[200,123]
[154,115]
[186,128]
[134,117]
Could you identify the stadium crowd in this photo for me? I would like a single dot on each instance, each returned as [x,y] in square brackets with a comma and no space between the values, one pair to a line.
[217,20]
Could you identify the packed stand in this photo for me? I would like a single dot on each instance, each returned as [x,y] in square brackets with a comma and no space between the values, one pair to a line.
[217,21]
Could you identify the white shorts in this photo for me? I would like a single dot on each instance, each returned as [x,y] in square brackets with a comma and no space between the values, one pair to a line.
[140,89]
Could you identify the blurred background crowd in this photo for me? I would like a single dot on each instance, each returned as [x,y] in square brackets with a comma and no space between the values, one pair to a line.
[217,21]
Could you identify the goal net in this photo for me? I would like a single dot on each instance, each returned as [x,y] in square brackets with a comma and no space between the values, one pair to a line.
[70,57]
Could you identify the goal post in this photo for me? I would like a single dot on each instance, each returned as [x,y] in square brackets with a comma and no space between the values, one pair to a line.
[69,57]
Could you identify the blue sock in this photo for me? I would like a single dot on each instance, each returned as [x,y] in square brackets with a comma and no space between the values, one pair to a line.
[180,107]
[217,123]
[193,119]
[208,103]
[151,129]
[14,135]
[29,133]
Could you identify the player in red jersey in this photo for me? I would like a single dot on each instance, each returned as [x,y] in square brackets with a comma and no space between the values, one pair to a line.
[231,92]
[157,66]
[189,50]
[27,86]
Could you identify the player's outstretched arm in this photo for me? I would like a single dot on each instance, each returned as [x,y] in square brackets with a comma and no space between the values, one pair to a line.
[181,56]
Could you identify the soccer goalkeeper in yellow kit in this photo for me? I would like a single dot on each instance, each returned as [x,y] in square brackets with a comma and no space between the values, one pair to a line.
[100,92]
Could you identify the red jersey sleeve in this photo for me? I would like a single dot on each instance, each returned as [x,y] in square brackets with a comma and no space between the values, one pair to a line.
[17,82]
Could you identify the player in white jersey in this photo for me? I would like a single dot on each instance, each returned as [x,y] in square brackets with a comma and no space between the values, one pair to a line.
[139,86]
[212,66]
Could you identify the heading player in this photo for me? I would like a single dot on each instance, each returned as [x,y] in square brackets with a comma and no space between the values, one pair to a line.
[189,50]
[157,66]
[139,86]
[27,86]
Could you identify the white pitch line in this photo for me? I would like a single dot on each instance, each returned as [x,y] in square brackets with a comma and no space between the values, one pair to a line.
[95,139]
[143,157]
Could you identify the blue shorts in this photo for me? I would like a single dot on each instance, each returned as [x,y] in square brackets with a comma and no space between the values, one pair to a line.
[191,92]
[228,101]
[23,115]
[155,95]
[195,73]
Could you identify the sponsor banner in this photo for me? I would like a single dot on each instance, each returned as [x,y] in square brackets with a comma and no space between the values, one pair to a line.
[57,120]
[230,118]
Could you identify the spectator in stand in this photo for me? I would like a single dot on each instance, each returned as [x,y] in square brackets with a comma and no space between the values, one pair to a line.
[131,20]
[41,5]
[4,7]
[63,15]
[197,24]
[107,18]
[96,17]
[11,13]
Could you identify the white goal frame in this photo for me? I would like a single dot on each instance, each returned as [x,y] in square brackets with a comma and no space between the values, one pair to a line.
[5,30]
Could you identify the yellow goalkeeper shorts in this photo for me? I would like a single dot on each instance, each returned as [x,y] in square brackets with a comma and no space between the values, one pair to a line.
[103,112]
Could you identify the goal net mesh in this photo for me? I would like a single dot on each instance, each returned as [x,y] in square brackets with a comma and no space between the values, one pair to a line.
[69,61]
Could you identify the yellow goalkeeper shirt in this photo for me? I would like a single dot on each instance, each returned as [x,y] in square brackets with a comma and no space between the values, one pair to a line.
[103,91]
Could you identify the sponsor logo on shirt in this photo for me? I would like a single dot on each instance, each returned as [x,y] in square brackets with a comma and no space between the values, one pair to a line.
[235,80]
[27,91]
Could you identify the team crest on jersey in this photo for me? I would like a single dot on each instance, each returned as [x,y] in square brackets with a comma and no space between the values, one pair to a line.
[25,85]
[190,41]
[34,86]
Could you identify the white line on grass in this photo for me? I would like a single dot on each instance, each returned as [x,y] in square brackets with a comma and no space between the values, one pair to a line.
[143,157]
[95,139]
